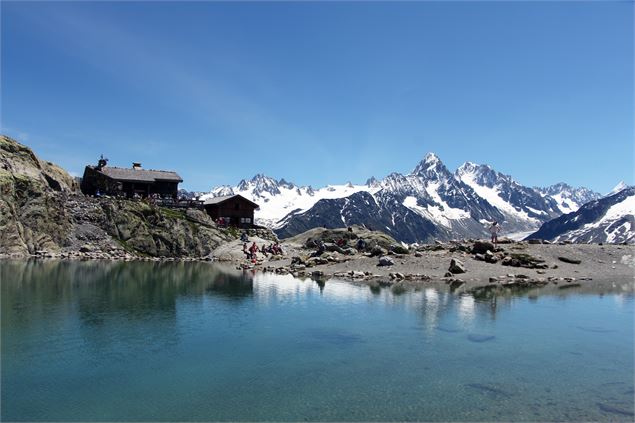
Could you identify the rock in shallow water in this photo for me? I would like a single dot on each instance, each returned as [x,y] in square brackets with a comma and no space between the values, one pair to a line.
[480,338]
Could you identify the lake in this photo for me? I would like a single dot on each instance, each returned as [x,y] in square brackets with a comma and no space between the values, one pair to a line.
[112,341]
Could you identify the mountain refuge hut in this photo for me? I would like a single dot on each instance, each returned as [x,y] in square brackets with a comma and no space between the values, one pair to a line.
[232,210]
[129,182]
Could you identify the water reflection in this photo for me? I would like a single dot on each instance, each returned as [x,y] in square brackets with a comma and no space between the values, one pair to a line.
[94,289]
[197,341]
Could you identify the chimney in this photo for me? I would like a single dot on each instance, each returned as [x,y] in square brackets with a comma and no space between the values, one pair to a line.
[136,165]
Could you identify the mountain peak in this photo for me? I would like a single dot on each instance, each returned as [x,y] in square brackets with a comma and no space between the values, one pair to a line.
[371,182]
[284,183]
[431,167]
[619,187]
[260,184]
[431,158]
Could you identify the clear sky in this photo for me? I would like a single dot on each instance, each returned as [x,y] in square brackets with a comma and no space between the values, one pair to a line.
[324,92]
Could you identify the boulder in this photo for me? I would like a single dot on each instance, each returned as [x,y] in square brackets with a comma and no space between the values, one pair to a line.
[385,261]
[490,257]
[481,247]
[399,249]
[456,267]
[328,246]
[378,251]
[569,260]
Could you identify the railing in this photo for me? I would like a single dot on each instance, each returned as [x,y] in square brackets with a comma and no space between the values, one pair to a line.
[177,204]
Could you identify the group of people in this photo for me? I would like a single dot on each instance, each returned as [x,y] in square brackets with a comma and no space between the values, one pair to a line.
[251,251]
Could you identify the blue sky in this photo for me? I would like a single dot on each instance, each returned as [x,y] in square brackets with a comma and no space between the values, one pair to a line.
[324,92]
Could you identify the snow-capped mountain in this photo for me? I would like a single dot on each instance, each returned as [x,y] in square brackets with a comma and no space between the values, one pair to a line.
[570,199]
[429,203]
[278,199]
[619,187]
[523,207]
[610,219]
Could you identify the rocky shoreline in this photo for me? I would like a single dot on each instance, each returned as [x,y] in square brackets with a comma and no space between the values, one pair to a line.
[466,263]
[457,264]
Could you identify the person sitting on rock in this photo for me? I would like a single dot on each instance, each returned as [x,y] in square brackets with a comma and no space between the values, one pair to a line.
[320,249]
[361,244]
[253,250]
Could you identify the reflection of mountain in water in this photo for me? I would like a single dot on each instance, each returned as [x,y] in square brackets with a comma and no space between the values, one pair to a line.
[488,301]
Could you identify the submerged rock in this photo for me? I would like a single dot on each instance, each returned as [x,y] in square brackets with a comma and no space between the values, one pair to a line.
[480,338]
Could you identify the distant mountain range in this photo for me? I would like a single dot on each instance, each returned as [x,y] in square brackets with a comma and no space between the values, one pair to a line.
[430,203]
[610,219]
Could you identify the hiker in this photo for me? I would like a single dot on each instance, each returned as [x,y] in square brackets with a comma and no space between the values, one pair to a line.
[361,244]
[244,237]
[253,250]
[246,251]
[320,249]
[494,229]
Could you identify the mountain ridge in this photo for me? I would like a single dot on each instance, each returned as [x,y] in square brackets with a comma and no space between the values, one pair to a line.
[457,204]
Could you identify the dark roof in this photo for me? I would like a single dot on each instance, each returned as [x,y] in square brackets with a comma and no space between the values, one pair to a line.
[223,198]
[140,175]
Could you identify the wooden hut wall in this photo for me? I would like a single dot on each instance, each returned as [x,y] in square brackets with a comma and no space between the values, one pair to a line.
[234,209]
[94,180]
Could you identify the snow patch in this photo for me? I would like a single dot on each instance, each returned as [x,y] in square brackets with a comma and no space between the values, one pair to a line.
[491,195]
[442,214]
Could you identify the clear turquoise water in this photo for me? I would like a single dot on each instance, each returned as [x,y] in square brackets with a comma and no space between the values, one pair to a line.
[190,341]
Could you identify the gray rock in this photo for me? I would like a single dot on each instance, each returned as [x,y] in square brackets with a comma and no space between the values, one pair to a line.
[399,249]
[378,251]
[481,247]
[456,267]
[386,261]
[569,260]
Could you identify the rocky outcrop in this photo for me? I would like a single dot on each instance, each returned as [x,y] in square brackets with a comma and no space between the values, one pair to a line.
[32,192]
[43,212]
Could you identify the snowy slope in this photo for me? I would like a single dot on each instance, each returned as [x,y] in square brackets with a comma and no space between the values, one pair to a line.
[570,199]
[277,199]
[524,208]
[610,219]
